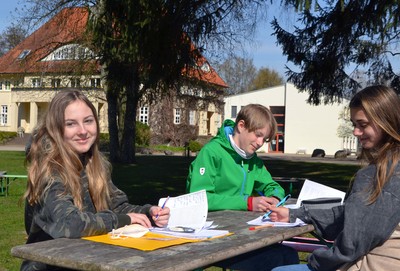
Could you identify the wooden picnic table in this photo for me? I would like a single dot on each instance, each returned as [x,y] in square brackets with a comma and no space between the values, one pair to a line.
[87,255]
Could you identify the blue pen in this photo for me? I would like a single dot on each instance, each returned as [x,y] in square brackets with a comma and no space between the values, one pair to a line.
[260,193]
[265,217]
[163,206]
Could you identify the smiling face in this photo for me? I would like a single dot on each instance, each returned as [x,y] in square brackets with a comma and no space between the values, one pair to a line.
[250,142]
[80,128]
[368,133]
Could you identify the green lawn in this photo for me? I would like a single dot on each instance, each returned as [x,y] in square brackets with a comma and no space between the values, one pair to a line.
[153,177]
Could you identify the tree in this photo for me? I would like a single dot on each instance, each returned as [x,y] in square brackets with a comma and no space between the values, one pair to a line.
[338,38]
[11,37]
[238,72]
[266,78]
[145,45]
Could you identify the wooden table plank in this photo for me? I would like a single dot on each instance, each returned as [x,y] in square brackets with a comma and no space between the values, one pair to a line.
[86,255]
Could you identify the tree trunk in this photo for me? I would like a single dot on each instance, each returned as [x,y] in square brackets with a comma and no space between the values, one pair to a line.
[112,99]
[129,133]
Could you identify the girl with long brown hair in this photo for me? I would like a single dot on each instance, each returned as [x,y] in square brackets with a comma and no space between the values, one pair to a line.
[366,228]
[70,193]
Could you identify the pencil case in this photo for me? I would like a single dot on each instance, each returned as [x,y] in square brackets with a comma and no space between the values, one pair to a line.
[322,203]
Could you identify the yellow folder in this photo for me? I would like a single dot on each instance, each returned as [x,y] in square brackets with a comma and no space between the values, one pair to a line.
[150,241]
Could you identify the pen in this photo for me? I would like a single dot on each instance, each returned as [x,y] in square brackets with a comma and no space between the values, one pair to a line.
[265,217]
[261,227]
[260,193]
[163,206]
[182,229]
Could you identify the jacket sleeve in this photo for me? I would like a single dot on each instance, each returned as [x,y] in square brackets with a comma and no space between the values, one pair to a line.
[204,172]
[59,217]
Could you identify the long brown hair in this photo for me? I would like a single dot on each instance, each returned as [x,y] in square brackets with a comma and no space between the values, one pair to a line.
[382,107]
[50,158]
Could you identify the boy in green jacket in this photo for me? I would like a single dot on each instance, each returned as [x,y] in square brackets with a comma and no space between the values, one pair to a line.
[234,178]
[228,167]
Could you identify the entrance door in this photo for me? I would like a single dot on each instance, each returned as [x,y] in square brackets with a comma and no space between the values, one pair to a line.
[277,144]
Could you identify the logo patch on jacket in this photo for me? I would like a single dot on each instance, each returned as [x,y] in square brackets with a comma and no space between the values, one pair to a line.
[202,170]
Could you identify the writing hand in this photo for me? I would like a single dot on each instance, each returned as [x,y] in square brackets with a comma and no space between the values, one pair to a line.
[280,214]
[160,215]
[262,204]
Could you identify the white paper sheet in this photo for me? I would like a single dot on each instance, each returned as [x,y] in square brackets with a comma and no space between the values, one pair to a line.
[189,210]
[258,221]
[313,190]
[200,234]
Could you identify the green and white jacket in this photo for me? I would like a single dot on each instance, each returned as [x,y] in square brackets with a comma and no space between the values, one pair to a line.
[228,178]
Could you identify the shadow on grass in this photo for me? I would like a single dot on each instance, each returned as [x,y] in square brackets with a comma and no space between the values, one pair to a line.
[334,175]
[154,177]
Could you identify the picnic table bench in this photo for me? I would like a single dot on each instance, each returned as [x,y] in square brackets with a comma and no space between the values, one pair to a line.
[292,182]
[7,179]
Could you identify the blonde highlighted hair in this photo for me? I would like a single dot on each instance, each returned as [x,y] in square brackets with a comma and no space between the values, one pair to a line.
[50,159]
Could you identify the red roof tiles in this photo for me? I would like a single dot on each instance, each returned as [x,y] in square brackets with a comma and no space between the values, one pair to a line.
[67,27]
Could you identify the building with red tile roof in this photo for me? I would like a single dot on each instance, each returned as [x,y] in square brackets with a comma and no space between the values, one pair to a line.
[54,58]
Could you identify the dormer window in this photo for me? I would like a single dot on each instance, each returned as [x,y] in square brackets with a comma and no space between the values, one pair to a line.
[23,54]
[205,67]
[70,52]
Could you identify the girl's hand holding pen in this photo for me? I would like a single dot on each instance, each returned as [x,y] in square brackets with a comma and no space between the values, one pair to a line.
[279,214]
[160,215]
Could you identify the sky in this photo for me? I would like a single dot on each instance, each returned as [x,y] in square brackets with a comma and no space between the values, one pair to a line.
[265,53]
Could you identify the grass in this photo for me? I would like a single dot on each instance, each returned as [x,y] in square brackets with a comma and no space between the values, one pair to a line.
[151,178]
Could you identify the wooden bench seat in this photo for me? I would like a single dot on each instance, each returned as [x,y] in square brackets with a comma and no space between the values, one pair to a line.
[307,244]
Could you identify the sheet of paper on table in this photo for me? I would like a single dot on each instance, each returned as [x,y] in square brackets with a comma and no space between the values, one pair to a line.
[310,190]
[207,232]
[313,190]
[258,221]
[189,210]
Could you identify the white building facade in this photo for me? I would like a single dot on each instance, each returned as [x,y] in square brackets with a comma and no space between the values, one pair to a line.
[302,127]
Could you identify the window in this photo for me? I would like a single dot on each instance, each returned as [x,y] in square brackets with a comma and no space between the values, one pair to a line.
[144,115]
[177,119]
[23,54]
[7,85]
[36,83]
[95,82]
[3,115]
[192,120]
[75,82]
[55,83]
[69,52]
[233,111]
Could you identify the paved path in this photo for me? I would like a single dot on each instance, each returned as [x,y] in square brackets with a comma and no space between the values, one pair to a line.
[16,144]
[352,160]
[12,147]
